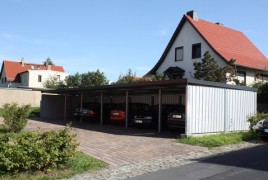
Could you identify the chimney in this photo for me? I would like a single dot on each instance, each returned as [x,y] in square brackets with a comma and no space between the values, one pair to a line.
[22,62]
[48,67]
[220,24]
[193,15]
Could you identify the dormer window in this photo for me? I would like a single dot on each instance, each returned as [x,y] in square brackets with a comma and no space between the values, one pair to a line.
[174,73]
[196,51]
[179,53]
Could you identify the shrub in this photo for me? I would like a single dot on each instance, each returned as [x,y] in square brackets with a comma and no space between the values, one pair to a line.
[253,119]
[35,112]
[15,117]
[33,151]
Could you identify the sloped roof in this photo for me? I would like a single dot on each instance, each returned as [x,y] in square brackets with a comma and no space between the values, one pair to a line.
[227,43]
[13,69]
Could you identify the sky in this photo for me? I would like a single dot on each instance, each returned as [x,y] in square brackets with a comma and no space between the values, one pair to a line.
[113,35]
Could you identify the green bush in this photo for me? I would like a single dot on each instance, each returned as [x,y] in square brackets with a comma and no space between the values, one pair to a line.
[34,112]
[253,119]
[15,117]
[33,151]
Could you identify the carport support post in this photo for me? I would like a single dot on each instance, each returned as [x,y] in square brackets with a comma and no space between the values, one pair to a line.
[65,106]
[101,109]
[126,122]
[81,105]
[159,109]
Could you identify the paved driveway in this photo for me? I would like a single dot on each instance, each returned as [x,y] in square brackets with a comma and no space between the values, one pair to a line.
[119,146]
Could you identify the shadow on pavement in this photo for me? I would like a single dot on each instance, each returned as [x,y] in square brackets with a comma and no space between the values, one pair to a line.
[250,158]
[117,129]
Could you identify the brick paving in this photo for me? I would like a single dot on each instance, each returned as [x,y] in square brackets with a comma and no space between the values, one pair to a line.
[119,146]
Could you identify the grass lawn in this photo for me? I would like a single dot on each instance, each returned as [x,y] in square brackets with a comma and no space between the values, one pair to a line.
[78,164]
[217,140]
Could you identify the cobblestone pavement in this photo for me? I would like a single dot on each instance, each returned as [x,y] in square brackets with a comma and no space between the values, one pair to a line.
[132,170]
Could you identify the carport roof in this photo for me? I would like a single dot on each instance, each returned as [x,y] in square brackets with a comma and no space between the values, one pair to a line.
[178,85]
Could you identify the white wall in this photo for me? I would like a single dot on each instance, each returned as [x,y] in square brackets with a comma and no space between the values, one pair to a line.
[46,74]
[186,38]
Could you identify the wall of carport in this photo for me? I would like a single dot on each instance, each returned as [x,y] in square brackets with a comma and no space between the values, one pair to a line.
[212,109]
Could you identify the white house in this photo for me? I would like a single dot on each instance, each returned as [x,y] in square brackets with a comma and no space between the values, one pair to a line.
[20,74]
[194,36]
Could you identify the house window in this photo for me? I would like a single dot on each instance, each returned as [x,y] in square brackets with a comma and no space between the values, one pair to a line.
[241,76]
[196,51]
[5,79]
[179,54]
[39,78]
[58,77]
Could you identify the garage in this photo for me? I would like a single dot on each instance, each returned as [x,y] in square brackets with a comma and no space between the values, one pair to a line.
[209,107]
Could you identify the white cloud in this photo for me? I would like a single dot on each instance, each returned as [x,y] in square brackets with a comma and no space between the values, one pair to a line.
[14,37]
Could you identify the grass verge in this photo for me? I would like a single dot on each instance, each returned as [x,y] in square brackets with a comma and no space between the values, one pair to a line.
[78,164]
[217,140]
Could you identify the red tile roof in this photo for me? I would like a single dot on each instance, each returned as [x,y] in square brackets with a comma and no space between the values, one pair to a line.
[13,69]
[227,43]
[230,43]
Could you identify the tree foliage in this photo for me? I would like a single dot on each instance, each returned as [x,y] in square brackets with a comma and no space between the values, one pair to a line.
[93,78]
[209,70]
[73,81]
[129,77]
[48,61]
[54,82]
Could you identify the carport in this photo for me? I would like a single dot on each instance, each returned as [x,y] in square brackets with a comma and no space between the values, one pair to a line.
[210,107]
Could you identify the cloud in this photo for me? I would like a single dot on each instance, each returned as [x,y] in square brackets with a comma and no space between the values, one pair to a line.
[14,37]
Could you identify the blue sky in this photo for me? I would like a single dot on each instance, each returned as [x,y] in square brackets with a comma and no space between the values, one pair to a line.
[113,35]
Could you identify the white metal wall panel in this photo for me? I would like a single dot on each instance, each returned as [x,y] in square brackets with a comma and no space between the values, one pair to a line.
[240,105]
[205,110]
[211,109]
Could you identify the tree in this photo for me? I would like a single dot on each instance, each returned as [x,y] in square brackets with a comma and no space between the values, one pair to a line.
[209,70]
[73,81]
[157,77]
[127,78]
[54,82]
[49,62]
[94,78]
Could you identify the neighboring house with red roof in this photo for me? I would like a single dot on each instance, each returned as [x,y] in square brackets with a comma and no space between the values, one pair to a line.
[194,36]
[20,74]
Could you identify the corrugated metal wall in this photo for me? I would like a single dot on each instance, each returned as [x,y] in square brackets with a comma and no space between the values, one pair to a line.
[211,109]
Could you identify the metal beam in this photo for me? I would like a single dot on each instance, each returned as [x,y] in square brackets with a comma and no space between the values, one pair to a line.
[159,110]
[101,109]
[126,119]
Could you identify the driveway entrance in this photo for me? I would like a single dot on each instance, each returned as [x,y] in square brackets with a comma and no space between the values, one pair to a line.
[119,146]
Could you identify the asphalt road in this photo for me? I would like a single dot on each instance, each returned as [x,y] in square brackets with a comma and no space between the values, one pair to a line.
[247,164]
